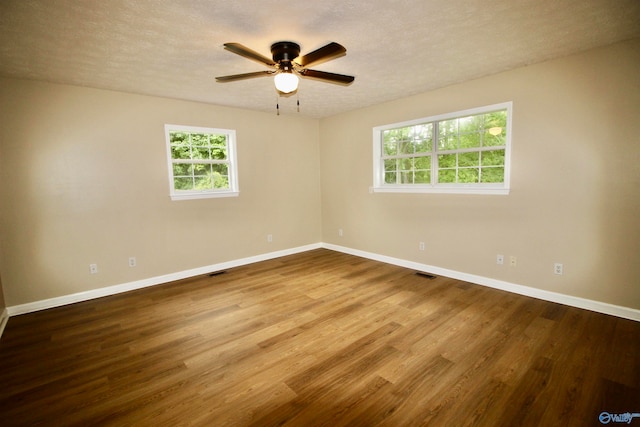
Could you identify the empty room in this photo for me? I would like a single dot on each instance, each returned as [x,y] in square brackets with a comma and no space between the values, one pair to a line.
[334,213]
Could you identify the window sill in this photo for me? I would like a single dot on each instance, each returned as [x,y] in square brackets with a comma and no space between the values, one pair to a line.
[442,190]
[205,195]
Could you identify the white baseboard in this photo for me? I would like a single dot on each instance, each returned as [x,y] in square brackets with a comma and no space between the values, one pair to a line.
[152,281]
[4,317]
[597,306]
[600,307]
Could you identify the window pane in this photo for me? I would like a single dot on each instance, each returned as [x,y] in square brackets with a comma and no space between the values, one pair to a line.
[495,128]
[448,128]
[201,169]
[422,137]
[390,177]
[423,146]
[494,137]
[219,153]
[390,148]
[182,169]
[406,164]
[390,168]
[446,175]
[201,152]
[218,147]
[183,183]
[448,134]
[199,139]
[180,152]
[390,165]
[468,175]
[449,142]
[217,139]
[395,134]
[203,183]
[220,181]
[220,176]
[422,162]
[470,124]
[470,140]
[493,158]
[447,161]
[468,159]
[220,169]
[179,138]
[405,147]
[390,142]
[496,119]
[408,140]
[406,171]
[493,174]
[422,177]
[406,177]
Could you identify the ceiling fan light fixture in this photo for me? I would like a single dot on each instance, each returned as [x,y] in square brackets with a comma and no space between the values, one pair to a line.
[286,82]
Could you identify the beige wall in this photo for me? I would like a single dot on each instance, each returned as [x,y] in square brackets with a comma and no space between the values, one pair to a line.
[575,195]
[3,305]
[83,179]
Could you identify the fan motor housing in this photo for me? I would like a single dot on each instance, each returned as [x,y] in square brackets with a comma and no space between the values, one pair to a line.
[285,51]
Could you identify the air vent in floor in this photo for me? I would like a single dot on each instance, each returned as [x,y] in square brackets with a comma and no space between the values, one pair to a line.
[426,275]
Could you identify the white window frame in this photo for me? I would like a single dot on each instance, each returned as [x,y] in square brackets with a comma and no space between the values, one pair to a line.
[231,162]
[379,185]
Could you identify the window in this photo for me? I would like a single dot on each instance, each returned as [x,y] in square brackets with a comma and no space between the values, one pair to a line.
[463,152]
[202,162]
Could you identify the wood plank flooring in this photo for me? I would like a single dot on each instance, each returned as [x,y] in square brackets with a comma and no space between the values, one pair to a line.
[318,339]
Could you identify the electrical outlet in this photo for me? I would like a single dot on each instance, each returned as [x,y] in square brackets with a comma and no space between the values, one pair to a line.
[558,268]
[499,259]
[269,238]
[513,261]
[421,246]
[340,233]
[132,261]
[93,268]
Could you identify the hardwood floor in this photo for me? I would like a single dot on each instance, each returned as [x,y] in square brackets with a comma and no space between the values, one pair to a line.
[318,339]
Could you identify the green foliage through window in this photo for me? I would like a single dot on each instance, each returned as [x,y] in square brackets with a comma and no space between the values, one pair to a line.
[201,161]
[193,148]
[470,149]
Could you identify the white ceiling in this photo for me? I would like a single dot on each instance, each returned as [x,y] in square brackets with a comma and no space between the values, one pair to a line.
[395,48]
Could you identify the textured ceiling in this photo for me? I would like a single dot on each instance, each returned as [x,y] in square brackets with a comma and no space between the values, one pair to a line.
[395,48]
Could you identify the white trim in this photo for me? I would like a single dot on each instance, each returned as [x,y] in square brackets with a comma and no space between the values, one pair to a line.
[204,195]
[441,190]
[4,317]
[152,281]
[586,304]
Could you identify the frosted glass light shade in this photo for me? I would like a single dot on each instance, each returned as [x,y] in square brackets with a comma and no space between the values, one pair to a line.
[286,82]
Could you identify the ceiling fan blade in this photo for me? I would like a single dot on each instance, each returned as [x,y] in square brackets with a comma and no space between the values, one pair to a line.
[330,77]
[325,53]
[241,50]
[235,77]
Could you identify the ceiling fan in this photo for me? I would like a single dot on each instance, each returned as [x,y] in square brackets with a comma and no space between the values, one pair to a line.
[286,64]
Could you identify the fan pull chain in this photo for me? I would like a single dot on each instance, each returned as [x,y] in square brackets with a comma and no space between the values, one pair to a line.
[277,106]
[298,101]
